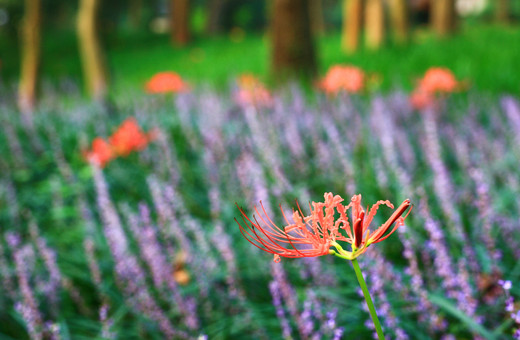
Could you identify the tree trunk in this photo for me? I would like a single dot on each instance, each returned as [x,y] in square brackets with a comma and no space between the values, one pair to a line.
[293,47]
[502,10]
[317,20]
[214,11]
[90,50]
[352,21]
[399,17]
[30,32]
[374,24]
[443,16]
[135,13]
[179,20]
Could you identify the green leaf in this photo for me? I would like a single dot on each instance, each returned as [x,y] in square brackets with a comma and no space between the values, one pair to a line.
[449,307]
[505,325]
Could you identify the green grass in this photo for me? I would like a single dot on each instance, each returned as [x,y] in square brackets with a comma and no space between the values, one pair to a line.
[484,55]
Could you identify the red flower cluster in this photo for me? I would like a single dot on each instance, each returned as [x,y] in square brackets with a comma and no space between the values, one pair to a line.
[127,138]
[437,80]
[343,78]
[164,82]
[315,234]
[251,91]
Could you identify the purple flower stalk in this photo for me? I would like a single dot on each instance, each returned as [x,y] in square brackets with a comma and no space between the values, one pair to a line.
[427,311]
[24,261]
[274,288]
[510,306]
[130,275]
[442,261]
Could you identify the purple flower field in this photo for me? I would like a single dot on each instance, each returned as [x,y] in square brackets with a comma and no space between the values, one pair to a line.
[147,247]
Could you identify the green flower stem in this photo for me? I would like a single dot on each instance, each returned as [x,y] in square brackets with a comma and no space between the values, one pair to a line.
[368,299]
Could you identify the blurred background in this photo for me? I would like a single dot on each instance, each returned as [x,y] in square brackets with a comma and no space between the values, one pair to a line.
[112,46]
[130,130]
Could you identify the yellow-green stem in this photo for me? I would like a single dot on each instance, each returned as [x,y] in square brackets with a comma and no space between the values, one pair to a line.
[368,299]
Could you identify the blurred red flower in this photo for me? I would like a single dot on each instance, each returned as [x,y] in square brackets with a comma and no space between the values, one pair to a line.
[100,153]
[438,80]
[343,78]
[129,137]
[164,82]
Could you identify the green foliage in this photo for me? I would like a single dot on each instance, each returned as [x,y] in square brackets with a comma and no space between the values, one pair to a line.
[484,56]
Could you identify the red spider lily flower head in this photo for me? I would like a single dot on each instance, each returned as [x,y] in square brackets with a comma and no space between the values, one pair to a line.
[164,82]
[129,137]
[101,152]
[252,91]
[439,80]
[315,234]
[343,78]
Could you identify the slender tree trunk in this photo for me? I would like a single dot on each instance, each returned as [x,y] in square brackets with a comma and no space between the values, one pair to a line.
[90,50]
[443,16]
[214,10]
[180,21]
[135,13]
[399,17]
[502,10]
[317,20]
[293,47]
[30,34]
[352,21]
[374,24]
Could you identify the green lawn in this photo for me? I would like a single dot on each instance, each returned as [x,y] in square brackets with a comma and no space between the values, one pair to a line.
[486,56]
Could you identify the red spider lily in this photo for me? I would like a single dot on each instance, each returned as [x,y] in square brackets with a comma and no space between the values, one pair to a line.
[129,137]
[101,152]
[343,78]
[164,82]
[314,235]
[438,80]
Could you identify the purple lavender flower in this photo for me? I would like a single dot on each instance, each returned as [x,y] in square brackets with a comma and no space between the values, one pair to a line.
[280,313]
[130,275]
[24,261]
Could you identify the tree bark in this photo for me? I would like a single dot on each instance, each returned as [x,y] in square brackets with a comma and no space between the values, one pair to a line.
[399,17]
[93,66]
[443,16]
[180,21]
[317,20]
[30,34]
[293,50]
[502,10]
[374,24]
[352,21]
[214,11]
[135,13]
